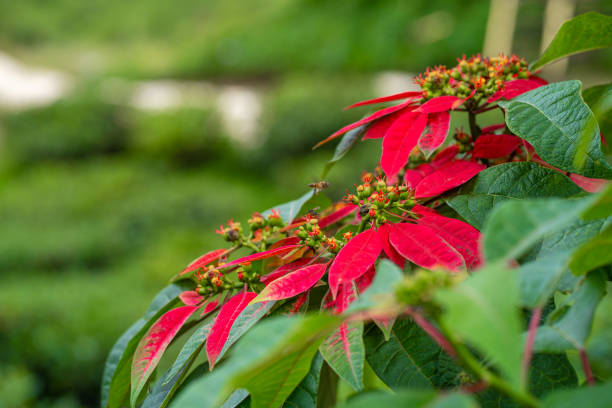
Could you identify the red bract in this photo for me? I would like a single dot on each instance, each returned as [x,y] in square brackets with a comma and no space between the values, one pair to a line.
[493,128]
[514,88]
[437,124]
[379,128]
[152,346]
[441,104]
[491,146]
[223,324]
[383,233]
[293,283]
[424,247]
[285,269]
[285,242]
[399,141]
[191,297]
[263,255]
[449,176]
[337,215]
[387,98]
[354,259]
[204,260]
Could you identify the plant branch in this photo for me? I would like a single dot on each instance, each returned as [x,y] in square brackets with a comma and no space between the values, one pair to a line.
[474,129]
[586,366]
[531,335]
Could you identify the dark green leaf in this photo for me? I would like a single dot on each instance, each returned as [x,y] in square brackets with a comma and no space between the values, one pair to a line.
[305,394]
[346,143]
[561,128]
[585,32]
[598,396]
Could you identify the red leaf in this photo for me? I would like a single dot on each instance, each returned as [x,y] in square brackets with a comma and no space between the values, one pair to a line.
[365,280]
[591,185]
[449,176]
[490,146]
[354,259]
[424,247]
[388,98]
[285,269]
[422,210]
[152,346]
[493,128]
[399,141]
[461,236]
[204,260]
[210,306]
[337,215]
[372,117]
[379,128]
[441,104]
[293,283]
[445,156]
[223,323]
[285,242]
[263,255]
[191,297]
[438,124]
[413,177]
[383,234]
[514,88]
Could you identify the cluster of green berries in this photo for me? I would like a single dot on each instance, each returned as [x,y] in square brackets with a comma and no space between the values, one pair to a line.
[210,280]
[376,199]
[484,76]
[245,273]
[310,234]
[259,227]
[419,288]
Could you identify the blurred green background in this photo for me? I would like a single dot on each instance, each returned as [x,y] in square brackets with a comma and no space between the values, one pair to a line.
[130,130]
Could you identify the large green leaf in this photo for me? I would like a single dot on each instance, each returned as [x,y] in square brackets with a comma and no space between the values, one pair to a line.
[346,143]
[116,375]
[595,253]
[305,394]
[598,396]
[561,128]
[344,351]
[410,359]
[568,326]
[269,362]
[599,99]
[510,181]
[515,226]
[585,32]
[482,310]
[602,206]
[539,279]
[599,343]
[412,399]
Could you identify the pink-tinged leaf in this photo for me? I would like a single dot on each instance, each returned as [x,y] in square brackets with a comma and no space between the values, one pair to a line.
[204,260]
[354,259]
[337,215]
[441,104]
[491,146]
[449,176]
[437,130]
[387,98]
[515,88]
[385,325]
[344,351]
[413,177]
[424,247]
[365,280]
[153,345]
[383,234]
[223,324]
[493,128]
[285,269]
[300,304]
[209,307]
[263,255]
[461,236]
[399,141]
[191,297]
[285,242]
[591,185]
[376,115]
[292,284]
[379,128]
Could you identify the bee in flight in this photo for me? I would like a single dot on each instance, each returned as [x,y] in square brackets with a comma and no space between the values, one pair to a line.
[319,186]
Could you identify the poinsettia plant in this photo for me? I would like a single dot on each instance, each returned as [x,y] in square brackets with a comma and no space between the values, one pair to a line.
[468,268]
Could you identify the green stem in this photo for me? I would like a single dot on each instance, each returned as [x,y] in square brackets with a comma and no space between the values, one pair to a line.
[474,129]
[362,225]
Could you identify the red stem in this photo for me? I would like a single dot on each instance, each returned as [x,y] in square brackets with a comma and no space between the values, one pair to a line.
[586,366]
[433,332]
[534,322]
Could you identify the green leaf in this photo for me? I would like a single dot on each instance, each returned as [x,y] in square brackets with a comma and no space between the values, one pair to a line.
[237,399]
[344,351]
[515,226]
[561,128]
[116,375]
[288,211]
[570,330]
[269,362]
[483,311]
[305,394]
[510,181]
[410,358]
[538,279]
[599,344]
[412,399]
[599,99]
[595,253]
[381,289]
[585,32]
[598,396]
[346,143]
[602,206]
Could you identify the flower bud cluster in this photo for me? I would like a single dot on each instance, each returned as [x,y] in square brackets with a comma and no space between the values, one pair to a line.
[259,226]
[210,280]
[245,273]
[419,288]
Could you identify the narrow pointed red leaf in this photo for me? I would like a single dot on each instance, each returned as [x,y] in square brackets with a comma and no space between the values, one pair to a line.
[383,234]
[210,306]
[491,146]
[344,351]
[292,284]
[191,297]
[591,185]
[424,247]
[153,345]
[379,128]
[388,98]
[399,141]
[223,324]
[449,176]
[337,215]
[285,242]
[376,115]
[437,124]
[460,235]
[204,260]
[354,259]
[515,88]
[263,255]
[441,104]
[493,128]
